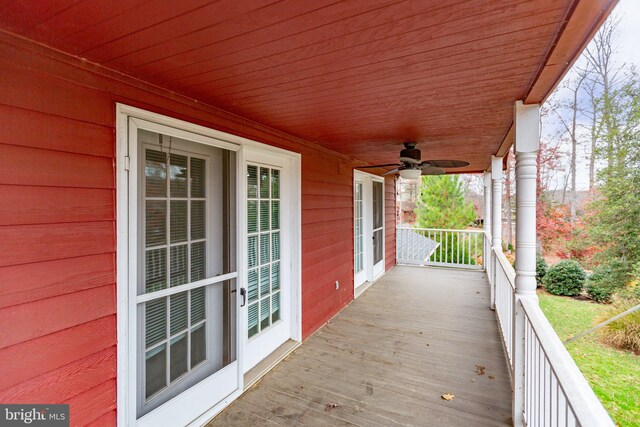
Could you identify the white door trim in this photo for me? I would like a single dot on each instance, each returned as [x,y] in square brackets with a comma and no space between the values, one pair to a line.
[125,259]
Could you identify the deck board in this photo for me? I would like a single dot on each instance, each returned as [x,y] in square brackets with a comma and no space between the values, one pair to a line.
[388,357]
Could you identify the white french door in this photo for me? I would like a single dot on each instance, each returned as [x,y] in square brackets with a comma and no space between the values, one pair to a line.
[267,292]
[182,303]
[368,239]
[208,263]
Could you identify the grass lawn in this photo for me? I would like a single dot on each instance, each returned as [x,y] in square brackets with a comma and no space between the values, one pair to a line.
[614,375]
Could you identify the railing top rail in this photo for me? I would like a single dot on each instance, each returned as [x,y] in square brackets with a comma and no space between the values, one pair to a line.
[585,404]
[506,267]
[480,231]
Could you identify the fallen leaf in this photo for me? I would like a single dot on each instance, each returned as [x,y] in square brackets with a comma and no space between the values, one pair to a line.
[479,370]
[448,396]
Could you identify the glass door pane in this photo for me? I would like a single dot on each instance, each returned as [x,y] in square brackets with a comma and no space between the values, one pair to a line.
[358,229]
[187,334]
[378,218]
[263,246]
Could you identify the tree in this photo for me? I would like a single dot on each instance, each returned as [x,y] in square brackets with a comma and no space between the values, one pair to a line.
[441,203]
[593,113]
[614,220]
[571,128]
[602,84]
[551,223]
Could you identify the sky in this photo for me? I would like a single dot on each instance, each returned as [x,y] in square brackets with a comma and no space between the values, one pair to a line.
[629,12]
[627,51]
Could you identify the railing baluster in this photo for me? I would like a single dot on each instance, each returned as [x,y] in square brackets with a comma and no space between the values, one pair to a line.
[445,245]
[430,246]
[475,248]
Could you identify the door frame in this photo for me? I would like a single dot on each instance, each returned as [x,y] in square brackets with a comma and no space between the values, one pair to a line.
[367,180]
[125,376]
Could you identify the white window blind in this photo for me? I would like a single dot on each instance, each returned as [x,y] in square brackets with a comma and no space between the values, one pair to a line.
[263,246]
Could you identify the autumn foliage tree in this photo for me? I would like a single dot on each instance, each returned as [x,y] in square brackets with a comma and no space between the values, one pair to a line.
[552,219]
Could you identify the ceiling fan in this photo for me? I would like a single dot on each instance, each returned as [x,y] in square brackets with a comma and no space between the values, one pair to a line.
[412,166]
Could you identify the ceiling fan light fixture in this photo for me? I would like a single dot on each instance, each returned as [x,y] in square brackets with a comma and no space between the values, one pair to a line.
[410,173]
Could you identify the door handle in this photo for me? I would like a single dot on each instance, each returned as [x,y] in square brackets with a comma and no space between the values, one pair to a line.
[243,292]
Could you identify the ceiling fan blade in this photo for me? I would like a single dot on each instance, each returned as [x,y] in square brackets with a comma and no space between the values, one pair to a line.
[410,160]
[396,170]
[378,166]
[430,170]
[447,163]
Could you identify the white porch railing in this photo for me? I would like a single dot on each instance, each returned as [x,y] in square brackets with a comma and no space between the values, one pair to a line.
[505,278]
[554,392]
[439,247]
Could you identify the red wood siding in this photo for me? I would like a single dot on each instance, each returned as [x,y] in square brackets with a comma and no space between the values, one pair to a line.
[57,223]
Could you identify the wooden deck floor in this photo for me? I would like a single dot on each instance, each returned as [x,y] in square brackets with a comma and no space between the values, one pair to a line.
[387,359]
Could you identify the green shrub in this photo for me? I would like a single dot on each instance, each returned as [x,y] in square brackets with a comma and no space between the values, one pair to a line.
[607,279]
[598,286]
[565,278]
[541,269]
[599,292]
[623,333]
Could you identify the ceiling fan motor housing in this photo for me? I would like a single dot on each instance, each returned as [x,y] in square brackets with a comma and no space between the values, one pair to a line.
[410,154]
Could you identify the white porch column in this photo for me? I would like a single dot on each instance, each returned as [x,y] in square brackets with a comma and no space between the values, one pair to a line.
[527,121]
[487,256]
[527,142]
[496,219]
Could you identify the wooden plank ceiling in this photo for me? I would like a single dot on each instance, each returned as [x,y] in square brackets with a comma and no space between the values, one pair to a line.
[356,76]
